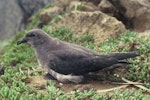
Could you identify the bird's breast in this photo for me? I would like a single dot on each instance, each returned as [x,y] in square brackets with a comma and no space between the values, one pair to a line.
[42,60]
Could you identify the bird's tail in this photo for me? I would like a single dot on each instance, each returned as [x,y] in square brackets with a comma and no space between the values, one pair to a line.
[122,56]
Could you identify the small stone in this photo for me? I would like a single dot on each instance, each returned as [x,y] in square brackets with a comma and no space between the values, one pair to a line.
[61,84]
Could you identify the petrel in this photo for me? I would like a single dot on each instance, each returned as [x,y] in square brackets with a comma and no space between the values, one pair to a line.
[69,62]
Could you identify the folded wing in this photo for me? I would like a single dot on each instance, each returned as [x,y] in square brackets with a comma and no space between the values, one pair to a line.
[79,63]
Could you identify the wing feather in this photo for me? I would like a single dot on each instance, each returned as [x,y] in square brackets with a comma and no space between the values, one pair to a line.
[78,63]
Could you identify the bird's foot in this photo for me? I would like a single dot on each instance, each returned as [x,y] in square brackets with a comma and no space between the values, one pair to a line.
[49,76]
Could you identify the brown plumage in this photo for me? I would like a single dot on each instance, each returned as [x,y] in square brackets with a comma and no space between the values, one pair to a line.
[68,62]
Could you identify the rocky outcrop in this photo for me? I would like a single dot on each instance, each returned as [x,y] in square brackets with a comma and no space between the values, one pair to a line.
[29,7]
[133,13]
[84,17]
[15,13]
[97,23]
[10,19]
[47,15]
[83,6]
[106,7]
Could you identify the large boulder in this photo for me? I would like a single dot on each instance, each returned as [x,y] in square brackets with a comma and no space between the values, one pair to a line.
[133,13]
[29,7]
[48,14]
[107,7]
[15,14]
[65,6]
[10,19]
[97,23]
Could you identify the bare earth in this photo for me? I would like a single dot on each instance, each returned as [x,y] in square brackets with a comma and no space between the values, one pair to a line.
[40,83]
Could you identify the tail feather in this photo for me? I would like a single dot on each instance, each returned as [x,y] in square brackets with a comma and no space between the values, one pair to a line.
[124,62]
[122,56]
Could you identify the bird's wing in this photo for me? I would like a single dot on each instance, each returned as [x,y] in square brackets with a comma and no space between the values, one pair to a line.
[65,45]
[122,56]
[78,63]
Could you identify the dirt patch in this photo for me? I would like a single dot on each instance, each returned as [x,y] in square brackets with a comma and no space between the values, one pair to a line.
[36,82]
[100,80]
[96,85]
[145,33]
[40,83]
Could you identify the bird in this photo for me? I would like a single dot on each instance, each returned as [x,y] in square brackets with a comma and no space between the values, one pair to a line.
[68,62]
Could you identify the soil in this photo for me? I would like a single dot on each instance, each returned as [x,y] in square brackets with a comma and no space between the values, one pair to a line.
[40,83]
[145,33]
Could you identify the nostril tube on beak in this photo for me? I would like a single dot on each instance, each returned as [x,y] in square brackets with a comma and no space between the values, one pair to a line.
[21,41]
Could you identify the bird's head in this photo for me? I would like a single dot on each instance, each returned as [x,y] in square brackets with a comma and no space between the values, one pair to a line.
[34,37]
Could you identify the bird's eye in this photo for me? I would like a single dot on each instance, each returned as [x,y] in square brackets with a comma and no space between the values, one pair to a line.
[31,35]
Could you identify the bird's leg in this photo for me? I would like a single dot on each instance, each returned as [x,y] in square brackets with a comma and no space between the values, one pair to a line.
[66,78]
[49,76]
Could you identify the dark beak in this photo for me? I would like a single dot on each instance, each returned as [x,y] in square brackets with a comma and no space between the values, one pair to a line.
[21,41]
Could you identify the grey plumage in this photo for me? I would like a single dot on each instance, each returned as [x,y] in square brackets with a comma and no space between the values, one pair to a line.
[69,62]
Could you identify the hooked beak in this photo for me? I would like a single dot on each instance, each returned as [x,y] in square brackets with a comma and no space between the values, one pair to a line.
[21,41]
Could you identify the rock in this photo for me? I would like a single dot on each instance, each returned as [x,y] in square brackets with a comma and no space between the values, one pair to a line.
[74,5]
[62,3]
[15,14]
[11,17]
[106,7]
[97,23]
[69,5]
[133,13]
[29,7]
[138,11]
[95,2]
[145,33]
[49,13]
[83,6]
[141,20]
